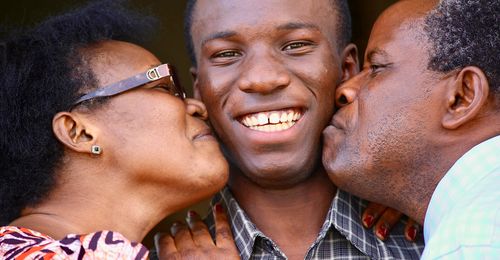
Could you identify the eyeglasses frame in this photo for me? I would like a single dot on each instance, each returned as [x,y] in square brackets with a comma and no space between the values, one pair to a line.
[153,74]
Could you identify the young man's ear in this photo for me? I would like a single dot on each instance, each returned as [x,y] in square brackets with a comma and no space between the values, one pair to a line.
[467,95]
[73,132]
[350,63]
[194,76]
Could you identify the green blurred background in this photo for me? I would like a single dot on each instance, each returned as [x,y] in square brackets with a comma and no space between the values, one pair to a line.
[168,42]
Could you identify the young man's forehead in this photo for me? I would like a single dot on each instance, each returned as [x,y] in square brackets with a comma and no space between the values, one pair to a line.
[255,12]
[288,26]
[223,19]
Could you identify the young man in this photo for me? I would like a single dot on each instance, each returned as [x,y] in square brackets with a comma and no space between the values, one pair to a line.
[423,118]
[267,72]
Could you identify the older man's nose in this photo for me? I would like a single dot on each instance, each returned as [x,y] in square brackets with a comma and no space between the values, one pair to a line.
[347,92]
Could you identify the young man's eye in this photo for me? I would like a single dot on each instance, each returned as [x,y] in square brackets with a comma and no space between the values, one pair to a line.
[226,54]
[295,45]
[298,48]
[226,57]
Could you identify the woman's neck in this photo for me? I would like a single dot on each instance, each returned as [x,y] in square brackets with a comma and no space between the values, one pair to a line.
[130,213]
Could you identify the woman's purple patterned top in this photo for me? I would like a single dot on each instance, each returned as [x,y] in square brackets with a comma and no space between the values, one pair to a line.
[23,243]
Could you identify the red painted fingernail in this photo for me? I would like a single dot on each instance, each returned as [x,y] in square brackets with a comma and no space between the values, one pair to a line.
[382,232]
[368,221]
[412,233]
[218,208]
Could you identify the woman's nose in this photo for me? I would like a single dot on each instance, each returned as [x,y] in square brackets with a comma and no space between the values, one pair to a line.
[196,108]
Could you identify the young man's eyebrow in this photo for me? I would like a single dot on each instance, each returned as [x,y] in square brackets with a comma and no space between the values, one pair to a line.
[297,25]
[218,35]
[286,26]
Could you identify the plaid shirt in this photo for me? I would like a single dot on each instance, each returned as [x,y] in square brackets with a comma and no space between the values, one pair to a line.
[341,237]
[463,220]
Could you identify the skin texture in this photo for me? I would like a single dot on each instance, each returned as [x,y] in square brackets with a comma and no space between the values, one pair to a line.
[158,155]
[265,68]
[193,241]
[257,56]
[400,126]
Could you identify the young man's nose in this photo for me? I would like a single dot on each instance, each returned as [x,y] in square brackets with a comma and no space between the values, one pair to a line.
[263,73]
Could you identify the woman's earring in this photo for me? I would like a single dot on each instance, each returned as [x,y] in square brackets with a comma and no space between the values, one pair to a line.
[96,149]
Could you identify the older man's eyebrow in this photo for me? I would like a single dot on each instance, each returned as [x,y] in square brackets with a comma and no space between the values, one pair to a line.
[377,54]
[298,25]
[218,35]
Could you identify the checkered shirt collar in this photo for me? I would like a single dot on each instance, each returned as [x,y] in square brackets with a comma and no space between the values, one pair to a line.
[244,230]
[343,216]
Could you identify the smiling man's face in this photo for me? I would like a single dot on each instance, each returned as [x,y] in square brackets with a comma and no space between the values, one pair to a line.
[267,72]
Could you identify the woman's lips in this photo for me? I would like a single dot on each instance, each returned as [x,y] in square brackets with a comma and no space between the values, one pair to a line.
[205,133]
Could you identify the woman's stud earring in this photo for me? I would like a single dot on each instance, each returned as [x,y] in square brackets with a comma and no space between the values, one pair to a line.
[96,149]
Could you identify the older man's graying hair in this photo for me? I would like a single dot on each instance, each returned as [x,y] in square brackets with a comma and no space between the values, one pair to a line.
[465,33]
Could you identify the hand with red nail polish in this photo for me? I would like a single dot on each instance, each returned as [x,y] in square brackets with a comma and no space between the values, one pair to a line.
[193,241]
[412,230]
[372,214]
[382,218]
[382,231]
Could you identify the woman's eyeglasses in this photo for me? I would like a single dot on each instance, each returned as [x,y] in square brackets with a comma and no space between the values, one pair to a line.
[156,73]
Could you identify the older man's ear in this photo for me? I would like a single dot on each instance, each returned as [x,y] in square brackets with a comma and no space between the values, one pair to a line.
[467,96]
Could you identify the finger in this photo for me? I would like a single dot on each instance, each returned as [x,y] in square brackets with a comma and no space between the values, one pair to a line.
[223,236]
[386,222]
[372,213]
[182,236]
[165,245]
[199,230]
[412,230]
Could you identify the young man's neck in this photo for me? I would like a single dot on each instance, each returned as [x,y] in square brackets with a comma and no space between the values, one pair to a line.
[291,216]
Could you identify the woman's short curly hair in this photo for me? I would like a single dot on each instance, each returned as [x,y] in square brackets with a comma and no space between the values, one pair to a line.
[43,72]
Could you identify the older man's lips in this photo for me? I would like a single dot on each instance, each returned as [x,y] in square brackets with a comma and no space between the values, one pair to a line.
[337,123]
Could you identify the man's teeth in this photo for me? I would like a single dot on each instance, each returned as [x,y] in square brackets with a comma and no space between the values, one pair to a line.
[271,121]
[273,127]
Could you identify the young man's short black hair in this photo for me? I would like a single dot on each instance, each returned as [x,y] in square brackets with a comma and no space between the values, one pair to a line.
[343,15]
[43,72]
[464,33]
